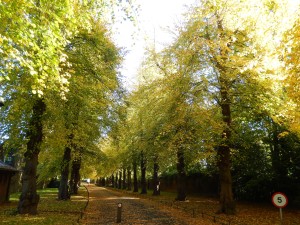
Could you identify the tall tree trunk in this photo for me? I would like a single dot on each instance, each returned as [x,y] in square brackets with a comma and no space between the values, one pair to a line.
[120,180]
[277,154]
[117,180]
[181,176]
[279,157]
[29,198]
[124,179]
[75,175]
[156,183]
[129,179]
[72,180]
[76,167]
[227,204]
[113,180]
[63,193]
[143,174]
[135,180]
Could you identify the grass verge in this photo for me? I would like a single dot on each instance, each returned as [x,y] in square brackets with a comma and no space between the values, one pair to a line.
[50,210]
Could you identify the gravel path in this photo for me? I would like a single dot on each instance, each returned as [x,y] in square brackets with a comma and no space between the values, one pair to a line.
[102,209]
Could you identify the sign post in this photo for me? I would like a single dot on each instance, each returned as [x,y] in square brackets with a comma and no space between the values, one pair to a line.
[280,201]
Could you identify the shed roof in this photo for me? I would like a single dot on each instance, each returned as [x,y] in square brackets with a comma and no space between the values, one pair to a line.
[6,167]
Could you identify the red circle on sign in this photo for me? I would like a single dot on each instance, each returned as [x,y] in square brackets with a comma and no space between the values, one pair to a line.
[279,200]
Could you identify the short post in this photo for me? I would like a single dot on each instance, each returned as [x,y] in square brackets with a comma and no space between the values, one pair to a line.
[119,213]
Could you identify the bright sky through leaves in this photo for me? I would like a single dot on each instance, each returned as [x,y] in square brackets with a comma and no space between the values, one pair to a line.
[154,20]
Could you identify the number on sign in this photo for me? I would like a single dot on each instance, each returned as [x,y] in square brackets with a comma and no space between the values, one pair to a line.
[279,200]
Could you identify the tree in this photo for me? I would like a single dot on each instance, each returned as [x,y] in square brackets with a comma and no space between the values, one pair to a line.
[94,59]
[32,49]
[291,70]
[221,56]
[33,63]
[170,114]
[216,95]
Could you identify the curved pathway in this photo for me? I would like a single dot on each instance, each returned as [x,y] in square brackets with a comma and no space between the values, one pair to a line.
[103,203]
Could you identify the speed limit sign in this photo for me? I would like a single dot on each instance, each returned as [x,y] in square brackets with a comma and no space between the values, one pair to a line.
[279,200]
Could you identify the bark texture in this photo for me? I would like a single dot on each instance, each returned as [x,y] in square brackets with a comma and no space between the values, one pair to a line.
[135,180]
[116,180]
[129,179]
[156,184]
[75,175]
[124,179]
[113,180]
[29,198]
[64,190]
[181,176]
[143,174]
[120,180]
[227,204]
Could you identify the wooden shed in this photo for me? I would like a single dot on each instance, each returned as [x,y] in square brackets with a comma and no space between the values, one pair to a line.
[6,172]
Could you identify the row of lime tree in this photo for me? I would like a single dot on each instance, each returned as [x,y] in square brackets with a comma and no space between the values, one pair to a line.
[59,81]
[222,99]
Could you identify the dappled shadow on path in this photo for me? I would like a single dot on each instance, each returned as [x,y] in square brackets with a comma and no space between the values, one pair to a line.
[102,209]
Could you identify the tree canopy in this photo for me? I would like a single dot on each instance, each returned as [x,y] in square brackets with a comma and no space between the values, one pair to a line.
[221,99]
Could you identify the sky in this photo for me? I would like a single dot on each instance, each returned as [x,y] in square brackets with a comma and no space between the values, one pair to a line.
[156,17]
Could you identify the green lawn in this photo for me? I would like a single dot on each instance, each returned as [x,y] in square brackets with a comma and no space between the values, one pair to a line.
[50,210]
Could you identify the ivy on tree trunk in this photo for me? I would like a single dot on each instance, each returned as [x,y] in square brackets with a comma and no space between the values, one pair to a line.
[29,198]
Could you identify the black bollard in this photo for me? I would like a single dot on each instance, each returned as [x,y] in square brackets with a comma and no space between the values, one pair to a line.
[119,212]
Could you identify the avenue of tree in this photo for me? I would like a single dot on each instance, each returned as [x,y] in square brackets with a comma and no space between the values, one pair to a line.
[221,99]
